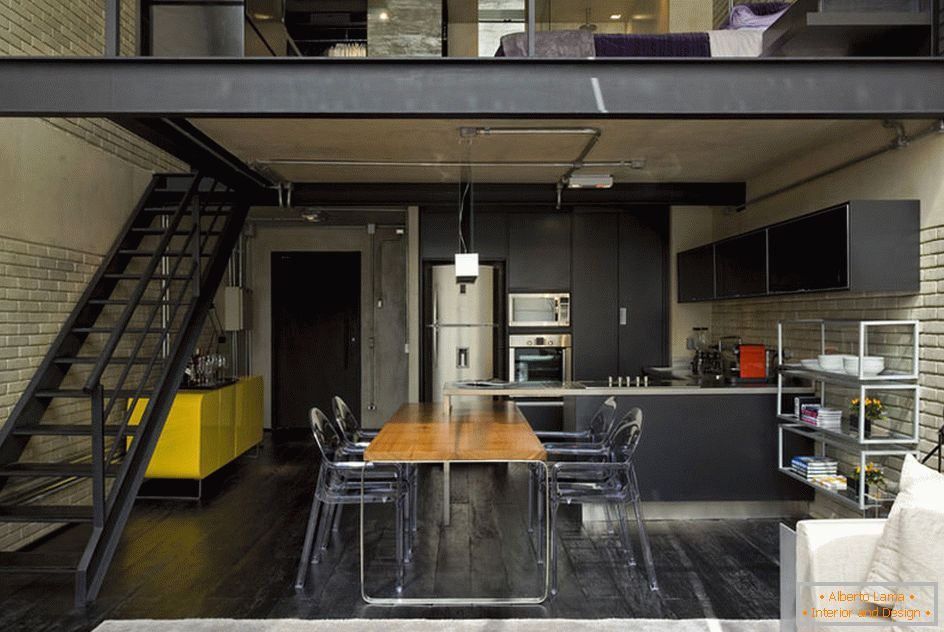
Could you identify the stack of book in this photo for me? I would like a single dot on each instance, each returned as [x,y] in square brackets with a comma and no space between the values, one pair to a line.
[830,481]
[821,417]
[809,466]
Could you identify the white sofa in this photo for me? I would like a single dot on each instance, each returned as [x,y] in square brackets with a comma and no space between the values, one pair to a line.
[823,551]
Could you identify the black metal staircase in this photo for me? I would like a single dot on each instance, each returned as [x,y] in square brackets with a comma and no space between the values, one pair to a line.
[127,340]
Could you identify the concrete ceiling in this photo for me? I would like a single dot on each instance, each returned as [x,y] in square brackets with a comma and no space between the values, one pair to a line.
[673,150]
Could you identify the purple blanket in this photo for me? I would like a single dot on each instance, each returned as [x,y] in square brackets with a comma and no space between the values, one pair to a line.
[661,45]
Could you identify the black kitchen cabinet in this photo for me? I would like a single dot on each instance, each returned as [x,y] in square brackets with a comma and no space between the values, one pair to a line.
[859,246]
[741,266]
[643,281]
[594,296]
[696,274]
[539,252]
[810,253]
[619,295]
[439,235]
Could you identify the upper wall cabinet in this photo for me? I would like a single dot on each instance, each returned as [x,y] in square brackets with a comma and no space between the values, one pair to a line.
[539,252]
[439,235]
[860,246]
[741,266]
[696,274]
[810,253]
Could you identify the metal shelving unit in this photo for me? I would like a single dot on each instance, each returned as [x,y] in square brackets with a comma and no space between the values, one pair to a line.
[855,440]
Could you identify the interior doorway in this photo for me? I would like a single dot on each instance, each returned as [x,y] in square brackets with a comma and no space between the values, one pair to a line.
[316,334]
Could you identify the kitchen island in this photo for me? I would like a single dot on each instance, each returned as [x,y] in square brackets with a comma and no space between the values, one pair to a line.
[714,446]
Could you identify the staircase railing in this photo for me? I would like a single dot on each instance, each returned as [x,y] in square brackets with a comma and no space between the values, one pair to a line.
[112,512]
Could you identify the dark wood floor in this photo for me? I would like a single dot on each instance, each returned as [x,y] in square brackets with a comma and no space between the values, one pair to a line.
[235,556]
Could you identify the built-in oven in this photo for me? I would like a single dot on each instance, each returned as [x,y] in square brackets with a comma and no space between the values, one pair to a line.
[534,359]
[539,358]
[539,310]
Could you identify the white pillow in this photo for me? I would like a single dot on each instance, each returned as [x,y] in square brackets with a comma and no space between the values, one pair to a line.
[911,548]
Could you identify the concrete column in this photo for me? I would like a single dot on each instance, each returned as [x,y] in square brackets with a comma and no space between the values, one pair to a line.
[404,28]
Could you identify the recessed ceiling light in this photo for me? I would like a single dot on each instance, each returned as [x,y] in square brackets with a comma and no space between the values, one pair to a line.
[640,17]
[616,16]
[383,16]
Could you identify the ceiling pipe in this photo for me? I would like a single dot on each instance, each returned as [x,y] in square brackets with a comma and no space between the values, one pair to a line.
[901,141]
[593,132]
[453,164]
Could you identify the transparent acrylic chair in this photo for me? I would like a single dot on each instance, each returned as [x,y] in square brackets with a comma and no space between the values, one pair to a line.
[354,441]
[562,446]
[350,423]
[339,483]
[611,482]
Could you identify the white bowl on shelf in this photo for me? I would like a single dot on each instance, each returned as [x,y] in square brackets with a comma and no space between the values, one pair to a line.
[830,362]
[871,365]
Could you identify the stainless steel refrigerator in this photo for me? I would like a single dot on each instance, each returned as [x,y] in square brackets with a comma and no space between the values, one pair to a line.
[463,327]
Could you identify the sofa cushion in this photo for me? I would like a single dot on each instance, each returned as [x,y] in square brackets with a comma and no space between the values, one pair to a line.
[911,548]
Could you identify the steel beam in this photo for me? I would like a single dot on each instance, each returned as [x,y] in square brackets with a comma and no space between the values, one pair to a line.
[184,141]
[516,195]
[484,88]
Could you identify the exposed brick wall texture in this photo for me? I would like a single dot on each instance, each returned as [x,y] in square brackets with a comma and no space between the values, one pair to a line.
[39,284]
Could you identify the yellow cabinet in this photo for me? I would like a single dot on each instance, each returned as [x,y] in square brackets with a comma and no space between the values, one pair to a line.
[205,430]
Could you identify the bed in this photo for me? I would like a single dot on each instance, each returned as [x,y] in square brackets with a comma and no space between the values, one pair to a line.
[742,35]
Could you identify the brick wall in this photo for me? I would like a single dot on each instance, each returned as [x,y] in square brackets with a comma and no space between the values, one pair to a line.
[40,282]
[39,285]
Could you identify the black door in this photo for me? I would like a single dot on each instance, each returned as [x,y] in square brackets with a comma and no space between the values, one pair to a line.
[315,334]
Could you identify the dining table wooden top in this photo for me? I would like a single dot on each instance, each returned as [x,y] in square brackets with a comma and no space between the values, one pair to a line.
[472,430]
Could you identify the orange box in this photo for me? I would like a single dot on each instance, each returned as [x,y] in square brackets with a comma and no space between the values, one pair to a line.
[753,361]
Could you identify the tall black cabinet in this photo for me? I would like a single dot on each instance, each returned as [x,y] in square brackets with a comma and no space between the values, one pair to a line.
[619,303]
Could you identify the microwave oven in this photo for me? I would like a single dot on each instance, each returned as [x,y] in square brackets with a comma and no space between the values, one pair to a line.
[539,310]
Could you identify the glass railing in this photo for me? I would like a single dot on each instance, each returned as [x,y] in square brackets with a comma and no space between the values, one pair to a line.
[540,28]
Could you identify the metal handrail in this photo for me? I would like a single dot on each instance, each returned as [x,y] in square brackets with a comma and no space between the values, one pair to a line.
[193,280]
[153,315]
[135,298]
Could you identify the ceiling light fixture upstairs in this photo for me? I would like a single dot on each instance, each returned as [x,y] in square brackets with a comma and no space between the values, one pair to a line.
[616,16]
[383,16]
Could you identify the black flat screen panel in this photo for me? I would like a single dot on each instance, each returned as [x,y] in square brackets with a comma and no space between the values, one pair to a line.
[811,253]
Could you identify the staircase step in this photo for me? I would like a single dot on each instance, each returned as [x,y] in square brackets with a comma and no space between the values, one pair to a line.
[45,513]
[213,201]
[124,301]
[94,360]
[34,562]
[53,469]
[129,330]
[125,276]
[78,393]
[66,430]
[169,253]
[149,230]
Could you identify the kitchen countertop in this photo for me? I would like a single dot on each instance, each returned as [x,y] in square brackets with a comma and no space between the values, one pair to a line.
[678,386]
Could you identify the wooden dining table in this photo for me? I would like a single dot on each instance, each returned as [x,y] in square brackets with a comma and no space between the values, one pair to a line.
[473,430]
